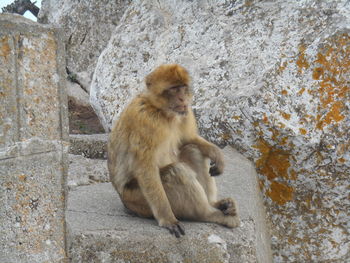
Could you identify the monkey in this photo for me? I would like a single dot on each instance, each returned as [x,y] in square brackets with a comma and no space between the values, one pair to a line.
[159,164]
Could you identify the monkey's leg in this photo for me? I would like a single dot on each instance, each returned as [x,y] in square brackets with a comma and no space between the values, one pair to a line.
[192,156]
[135,201]
[188,199]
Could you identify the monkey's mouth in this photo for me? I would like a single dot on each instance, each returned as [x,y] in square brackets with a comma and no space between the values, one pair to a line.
[182,110]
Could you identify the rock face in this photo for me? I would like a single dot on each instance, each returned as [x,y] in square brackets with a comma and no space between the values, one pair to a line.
[272,79]
[33,142]
[88,26]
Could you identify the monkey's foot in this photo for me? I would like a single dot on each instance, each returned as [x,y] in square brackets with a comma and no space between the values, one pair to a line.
[175,229]
[227,206]
[233,221]
[214,171]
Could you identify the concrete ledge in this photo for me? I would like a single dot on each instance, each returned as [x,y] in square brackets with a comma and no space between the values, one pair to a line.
[100,229]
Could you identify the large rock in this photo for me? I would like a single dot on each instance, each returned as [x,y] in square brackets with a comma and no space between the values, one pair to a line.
[33,142]
[272,79]
[88,26]
[100,230]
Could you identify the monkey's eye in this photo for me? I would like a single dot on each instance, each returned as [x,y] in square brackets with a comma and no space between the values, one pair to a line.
[175,88]
[178,88]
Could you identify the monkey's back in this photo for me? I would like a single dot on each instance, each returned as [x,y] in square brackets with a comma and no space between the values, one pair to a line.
[136,132]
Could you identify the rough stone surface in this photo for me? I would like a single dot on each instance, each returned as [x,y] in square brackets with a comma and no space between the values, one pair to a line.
[82,118]
[33,142]
[77,95]
[101,230]
[85,171]
[272,79]
[91,146]
[88,26]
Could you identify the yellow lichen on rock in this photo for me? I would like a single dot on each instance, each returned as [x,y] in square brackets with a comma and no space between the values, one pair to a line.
[274,164]
[333,62]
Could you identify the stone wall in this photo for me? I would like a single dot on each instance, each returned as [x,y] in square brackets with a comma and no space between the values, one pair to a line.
[33,142]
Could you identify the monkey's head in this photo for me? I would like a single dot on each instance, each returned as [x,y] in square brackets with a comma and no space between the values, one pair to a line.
[169,87]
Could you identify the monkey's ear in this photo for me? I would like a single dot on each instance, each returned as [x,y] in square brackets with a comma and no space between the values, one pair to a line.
[182,74]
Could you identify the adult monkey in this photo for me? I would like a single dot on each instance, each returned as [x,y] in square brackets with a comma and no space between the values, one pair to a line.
[159,164]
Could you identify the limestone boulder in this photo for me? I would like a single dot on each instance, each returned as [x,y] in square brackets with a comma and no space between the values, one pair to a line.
[77,95]
[88,26]
[272,79]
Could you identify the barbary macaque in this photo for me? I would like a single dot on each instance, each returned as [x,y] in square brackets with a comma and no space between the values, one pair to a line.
[157,161]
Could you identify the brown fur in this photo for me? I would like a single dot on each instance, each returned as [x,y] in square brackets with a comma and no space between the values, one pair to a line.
[157,161]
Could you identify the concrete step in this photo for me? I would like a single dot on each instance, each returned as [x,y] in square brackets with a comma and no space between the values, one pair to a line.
[89,145]
[101,230]
[85,171]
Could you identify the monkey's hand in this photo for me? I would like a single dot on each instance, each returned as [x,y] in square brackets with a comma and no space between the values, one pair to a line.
[175,228]
[217,161]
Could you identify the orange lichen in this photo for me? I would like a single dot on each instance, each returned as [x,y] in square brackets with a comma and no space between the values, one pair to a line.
[275,134]
[282,67]
[236,117]
[293,175]
[302,61]
[283,141]
[341,160]
[334,113]
[5,47]
[302,131]
[22,177]
[285,115]
[333,67]
[281,125]
[274,164]
[280,193]
[284,92]
[300,92]
[318,72]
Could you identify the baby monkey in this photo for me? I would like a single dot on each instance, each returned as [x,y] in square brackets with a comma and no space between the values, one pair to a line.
[157,161]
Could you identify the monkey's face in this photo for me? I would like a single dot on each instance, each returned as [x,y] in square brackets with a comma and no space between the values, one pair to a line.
[178,99]
[169,89]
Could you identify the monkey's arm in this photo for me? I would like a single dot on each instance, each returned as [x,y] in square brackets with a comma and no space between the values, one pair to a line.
[145,142]
[190,136]
[151,186]
[212,152]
